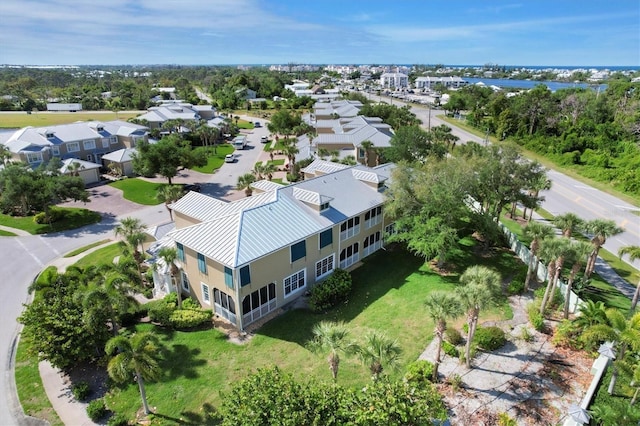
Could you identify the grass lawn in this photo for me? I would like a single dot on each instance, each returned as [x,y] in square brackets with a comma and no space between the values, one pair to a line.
[279,162]
[4,233]
[101,256]
[388,295]
[38,119]
[73,218]
[243,124]
[85,248]
[281,144]
[215,161]
[138,190]
[32,395]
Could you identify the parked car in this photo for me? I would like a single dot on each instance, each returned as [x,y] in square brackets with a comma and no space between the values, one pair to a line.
[229,158]
[264,139]
[257,124]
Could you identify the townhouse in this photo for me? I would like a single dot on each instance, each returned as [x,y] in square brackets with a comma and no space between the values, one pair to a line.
[428,83]
[247,258]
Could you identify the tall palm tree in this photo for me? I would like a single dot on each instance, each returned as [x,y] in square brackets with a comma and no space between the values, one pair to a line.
[168,194]
[332,336]
[377,352]
[106,302]
[568,223]
[169,256]
[137,356]
[258,170]
[579,253]
[541,183]
[601,229]
[537,232]
[634,254]
[244,183]
[551,249]
[480,286]
[290,150]
[441,307]
[269,169]
[366,146]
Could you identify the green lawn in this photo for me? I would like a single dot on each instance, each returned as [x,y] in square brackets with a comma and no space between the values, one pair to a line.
[4,233]
[279,162]
[85,248]
[73,218]
[138,190]
[243,124]
[101,256]
[215,161]
[388,295]
[32,395]
[281,144]
[38,119]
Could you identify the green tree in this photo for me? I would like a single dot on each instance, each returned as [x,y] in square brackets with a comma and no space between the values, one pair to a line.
[244,183]
[106,303]
[377,352]
[537,232]
[634,254]
[366,146]
[136,356]
[441,307]
[411,143]
[568,223]
[166,157]
[601,229]
[169,256]
[551,249]
[169,194]
[332,337]
[480,287]
[579,252]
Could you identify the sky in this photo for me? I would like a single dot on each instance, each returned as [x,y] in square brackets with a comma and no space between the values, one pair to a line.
[217,32]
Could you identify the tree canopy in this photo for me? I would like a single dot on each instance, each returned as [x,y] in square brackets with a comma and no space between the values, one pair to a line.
[166,157]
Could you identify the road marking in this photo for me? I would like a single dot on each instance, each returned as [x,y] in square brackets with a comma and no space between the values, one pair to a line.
[46,243]
[577,199]
[29,252]
[628,208]
[585,187]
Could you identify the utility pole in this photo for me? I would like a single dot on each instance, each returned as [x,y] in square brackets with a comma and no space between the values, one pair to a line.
[429,119]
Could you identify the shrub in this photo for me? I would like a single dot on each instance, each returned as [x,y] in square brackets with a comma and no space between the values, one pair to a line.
[526,335]
[160,310]
[96,409]
[54,216]
[535,317]
[515,287]
[455,381]
[505,420]
[81,390]
[449,349]
[190,318]
[419,372]
[118,420]
[190,303]
[567,334]
[331,291]
[489,338]
[453,336]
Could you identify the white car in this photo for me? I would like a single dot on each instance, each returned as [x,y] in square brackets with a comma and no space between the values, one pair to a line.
[229,158]
[264,139]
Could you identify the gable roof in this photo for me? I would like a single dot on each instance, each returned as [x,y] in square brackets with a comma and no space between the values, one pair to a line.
[121,155]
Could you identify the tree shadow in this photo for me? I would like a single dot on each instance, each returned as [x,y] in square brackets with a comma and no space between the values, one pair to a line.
[181,361]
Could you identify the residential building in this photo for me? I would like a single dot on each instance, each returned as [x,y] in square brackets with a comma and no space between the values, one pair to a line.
[87,140]
[428,83]
[247,258]
[394,80]
[176,110]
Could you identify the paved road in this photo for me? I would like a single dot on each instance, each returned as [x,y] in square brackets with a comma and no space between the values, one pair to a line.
[566,194]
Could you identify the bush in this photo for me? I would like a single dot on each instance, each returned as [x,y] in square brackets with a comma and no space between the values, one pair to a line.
[535,317]
[419,373]
[160,310]
[455,381]
[515,287]
[449,349]
[567,334]
[81,391]
[96,409]
[118,420]
[453,336]
[190,318]
[526,335]
[489,338]
[331,291]
[54,216]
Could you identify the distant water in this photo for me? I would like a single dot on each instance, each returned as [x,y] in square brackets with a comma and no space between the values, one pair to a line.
[529,84]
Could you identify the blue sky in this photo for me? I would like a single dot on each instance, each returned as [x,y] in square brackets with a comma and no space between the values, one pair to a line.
[531,32]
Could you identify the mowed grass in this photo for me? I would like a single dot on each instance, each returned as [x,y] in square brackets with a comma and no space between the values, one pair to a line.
[388,296]
[215,161]
[38,119]
[102,256]
[73,218]
[139,191]
[85,248]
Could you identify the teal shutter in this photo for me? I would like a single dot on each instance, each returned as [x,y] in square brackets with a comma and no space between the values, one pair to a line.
[202,263]
[245,276]
[228,277]
[326,238]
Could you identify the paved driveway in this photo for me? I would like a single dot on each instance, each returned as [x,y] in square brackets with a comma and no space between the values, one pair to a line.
[106,200]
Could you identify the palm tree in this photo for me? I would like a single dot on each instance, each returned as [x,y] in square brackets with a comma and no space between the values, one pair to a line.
[290,151]
[537,232]
[168,194]
[137,356]
[270,149]
[480,288]
[258,170]
[541,183]
[568,223]
[601,229]
[332,336]
[108,302]
[244,183]
[551,249]
[377,352]
[579,253]
[169,256]
[441,307]
[634,254]
[269,169]
[366,146]
[591,313]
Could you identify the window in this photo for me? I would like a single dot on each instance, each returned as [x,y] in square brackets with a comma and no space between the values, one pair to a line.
[373,217]
[206,298]
[360,153]
[258,303]
[326,238]
[349,256]
[34,157]
[114,140]
[324,267]
[371,244]
[73,147]
[228,277]
[89,144]
[294,283]
[324,206]
[390,229]
[202,263]
[245,276]
[350,228]
[224,305]
[185,281]
[89,157]
[180,249]
[298,251]
[55,151]
[105,143]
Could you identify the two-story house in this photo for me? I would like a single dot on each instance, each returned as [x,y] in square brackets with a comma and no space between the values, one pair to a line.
[249,257]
